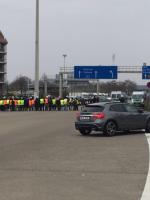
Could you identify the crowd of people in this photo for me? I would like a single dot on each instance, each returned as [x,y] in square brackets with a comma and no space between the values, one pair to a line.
[47,103]
[39,104]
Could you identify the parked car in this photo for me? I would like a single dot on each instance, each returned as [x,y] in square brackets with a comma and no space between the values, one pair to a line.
[111,117]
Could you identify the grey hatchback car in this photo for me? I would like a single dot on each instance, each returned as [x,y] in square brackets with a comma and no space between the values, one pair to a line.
[111,117]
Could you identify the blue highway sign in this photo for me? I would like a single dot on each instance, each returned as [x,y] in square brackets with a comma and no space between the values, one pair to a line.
[95,72]
[146,72]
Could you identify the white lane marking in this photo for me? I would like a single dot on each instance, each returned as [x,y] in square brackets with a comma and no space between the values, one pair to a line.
[146,191]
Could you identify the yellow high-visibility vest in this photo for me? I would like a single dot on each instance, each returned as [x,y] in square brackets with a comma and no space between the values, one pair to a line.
[62,102]
[65,101]
[1,102]
[18,102]
[53,101]
[22,102]
[41,101]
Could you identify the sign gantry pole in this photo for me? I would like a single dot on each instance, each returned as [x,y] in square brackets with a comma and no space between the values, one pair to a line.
[36,82]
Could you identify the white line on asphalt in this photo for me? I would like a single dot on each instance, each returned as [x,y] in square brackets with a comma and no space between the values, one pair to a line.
[146,192]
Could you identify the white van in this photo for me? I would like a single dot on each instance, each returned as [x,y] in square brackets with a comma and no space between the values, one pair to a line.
[138,97]
[117,95]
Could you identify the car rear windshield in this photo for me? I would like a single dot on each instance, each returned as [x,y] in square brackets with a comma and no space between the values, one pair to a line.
[93,109]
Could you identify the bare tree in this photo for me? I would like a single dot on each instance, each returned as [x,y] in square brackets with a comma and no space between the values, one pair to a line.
[124,86]
[20,84]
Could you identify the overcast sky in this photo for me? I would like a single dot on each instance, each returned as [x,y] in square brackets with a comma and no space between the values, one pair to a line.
[88,31]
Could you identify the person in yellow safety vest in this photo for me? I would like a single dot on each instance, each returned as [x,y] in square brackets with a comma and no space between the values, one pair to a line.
[42,104]
[18,104]
[1,104]
[22,104]
[66,104]
[62,104]
[78,102]
[53,103]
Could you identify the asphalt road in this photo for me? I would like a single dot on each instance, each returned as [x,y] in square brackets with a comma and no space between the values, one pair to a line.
[42,157]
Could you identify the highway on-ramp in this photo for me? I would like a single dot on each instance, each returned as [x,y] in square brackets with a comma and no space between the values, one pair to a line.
[42,157]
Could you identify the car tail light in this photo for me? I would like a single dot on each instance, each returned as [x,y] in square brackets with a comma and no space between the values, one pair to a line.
[100,115]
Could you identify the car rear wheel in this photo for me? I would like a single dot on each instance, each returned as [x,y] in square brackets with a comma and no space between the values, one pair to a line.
[85,131]
[110,129]
[147,129]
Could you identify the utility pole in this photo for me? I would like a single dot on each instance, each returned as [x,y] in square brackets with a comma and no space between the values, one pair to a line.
[36,82]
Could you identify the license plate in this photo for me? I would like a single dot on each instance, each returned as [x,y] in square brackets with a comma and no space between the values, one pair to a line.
[84,118]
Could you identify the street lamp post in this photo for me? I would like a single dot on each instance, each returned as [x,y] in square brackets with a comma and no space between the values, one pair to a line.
[60,84]
[36,83]
[113,59]
[61,77]
[64,55]
[64,76]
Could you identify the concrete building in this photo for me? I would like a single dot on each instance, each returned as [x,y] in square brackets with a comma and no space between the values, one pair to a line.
[3,63]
